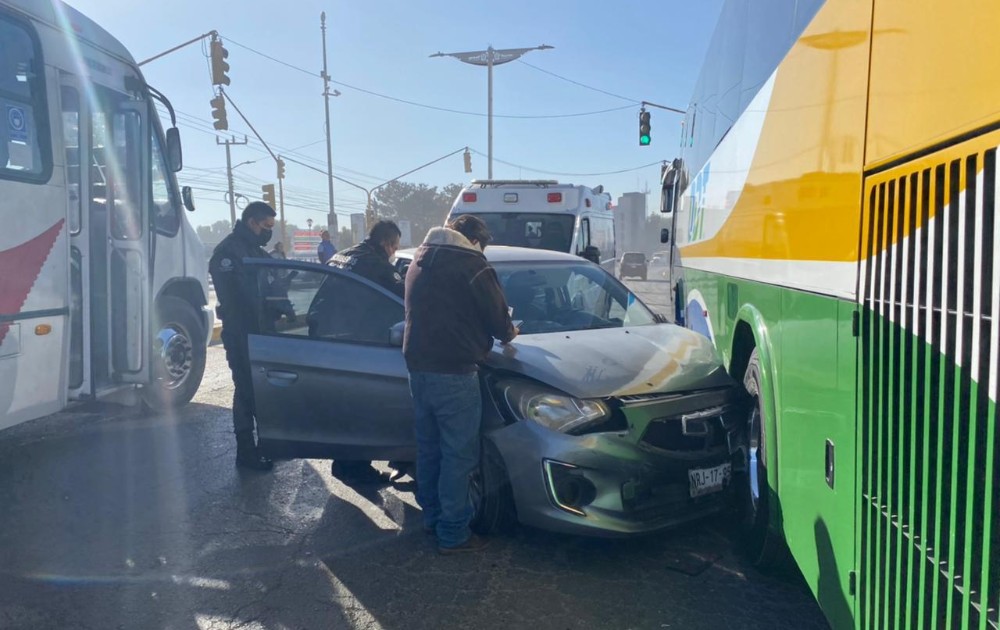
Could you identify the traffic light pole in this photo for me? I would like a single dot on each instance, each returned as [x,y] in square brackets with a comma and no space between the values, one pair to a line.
[331,219]
[229,176]
[281,204]
[176,48]
[370,207]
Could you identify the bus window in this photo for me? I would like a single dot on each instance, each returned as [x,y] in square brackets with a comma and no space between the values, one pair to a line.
[23,153]
[164,206]
[71,140]
[116,145]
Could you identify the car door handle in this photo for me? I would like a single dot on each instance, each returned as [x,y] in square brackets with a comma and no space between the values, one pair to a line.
[281,378]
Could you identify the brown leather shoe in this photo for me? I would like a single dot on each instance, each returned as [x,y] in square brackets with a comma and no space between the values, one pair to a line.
[474,543]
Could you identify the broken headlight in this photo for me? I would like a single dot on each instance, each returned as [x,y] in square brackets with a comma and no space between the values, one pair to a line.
[550,408]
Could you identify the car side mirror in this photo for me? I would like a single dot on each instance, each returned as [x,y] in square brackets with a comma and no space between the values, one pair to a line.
[396,334]
[592,254]
[665,235]
[188,198]
[175,156]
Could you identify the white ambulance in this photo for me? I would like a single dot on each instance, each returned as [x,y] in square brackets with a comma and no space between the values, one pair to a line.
[543,214]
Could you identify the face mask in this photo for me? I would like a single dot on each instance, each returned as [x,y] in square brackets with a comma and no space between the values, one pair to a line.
[265,236]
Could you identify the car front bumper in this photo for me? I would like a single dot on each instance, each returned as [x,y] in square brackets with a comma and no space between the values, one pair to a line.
[605,484]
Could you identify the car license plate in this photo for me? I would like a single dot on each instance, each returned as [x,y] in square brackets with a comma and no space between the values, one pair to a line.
[708,480]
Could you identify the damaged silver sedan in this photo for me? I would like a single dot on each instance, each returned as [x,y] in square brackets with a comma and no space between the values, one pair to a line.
[599,419]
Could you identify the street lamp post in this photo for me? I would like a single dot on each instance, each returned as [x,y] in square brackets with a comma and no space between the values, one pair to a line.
[489,58]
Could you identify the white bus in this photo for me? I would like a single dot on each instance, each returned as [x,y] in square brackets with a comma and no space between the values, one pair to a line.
[543,214]
[102,279]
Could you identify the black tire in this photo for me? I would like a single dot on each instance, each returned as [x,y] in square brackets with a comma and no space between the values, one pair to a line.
[765,548]
[492,496]
[177,356]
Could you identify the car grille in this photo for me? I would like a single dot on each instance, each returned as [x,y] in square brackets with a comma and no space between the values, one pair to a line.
[668,434]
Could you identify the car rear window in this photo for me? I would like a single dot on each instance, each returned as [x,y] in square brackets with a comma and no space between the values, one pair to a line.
[634,258]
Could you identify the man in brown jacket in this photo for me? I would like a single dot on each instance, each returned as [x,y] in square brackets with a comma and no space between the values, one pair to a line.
[455,308]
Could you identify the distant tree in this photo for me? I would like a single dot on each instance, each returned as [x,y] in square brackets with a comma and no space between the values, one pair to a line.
[213,234]
[422,205]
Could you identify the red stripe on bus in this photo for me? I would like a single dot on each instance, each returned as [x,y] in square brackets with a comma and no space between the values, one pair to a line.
[20,267]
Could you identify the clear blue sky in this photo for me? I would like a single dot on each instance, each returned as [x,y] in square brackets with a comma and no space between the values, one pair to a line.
[650,50]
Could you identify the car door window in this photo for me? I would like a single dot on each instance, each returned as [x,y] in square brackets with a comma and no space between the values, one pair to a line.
[325,305]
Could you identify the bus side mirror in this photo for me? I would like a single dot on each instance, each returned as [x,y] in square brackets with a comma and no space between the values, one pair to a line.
[592,254]
[175,156]
[665,235]
[188,198]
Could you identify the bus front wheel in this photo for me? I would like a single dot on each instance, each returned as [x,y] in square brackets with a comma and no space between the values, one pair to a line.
[765,548]
[178,355]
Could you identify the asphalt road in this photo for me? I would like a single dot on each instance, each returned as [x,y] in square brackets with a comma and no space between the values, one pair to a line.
[114,518]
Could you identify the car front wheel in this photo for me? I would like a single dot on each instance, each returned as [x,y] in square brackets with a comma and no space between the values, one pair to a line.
[492,497]
[766,549]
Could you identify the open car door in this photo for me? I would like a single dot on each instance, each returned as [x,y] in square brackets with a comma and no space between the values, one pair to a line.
[328,371]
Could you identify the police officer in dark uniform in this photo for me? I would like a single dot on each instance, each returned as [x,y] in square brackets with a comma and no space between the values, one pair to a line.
[371,259]
[237,312]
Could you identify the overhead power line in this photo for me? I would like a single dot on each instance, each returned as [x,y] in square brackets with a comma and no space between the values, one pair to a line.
[425,105]
[538,170]
[583,85]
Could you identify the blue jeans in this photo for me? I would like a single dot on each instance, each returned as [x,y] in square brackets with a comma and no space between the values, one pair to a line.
[448,410]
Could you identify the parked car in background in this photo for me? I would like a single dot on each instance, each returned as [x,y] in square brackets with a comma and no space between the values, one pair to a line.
[633,265]
[658,267]
[598,419]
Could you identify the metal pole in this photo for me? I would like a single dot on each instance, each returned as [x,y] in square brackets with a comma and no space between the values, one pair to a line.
[489,110]
[232,197]
[331,219]
[281,204]
[187,43]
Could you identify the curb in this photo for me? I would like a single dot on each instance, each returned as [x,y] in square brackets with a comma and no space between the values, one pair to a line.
[216,334]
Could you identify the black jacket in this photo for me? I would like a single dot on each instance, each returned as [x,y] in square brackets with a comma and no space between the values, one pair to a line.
[370,261]
[236,307]
[454,306]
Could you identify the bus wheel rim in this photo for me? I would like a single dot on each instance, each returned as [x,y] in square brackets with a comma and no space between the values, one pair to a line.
[175,353]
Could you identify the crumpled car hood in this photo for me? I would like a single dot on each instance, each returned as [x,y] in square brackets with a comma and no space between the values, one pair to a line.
[662,358]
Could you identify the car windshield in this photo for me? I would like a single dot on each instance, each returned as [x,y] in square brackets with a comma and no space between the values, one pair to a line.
[559,297]
[534,230]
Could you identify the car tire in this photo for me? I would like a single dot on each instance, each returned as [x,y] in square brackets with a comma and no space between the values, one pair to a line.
[177,355]
[493,499]
[765,548]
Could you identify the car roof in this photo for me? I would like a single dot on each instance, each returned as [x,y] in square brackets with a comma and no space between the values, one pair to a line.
[503,253]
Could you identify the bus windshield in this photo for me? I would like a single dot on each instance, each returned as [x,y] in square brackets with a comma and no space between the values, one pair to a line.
[530,229]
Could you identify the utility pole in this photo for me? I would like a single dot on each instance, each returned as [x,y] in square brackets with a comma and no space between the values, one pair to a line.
[229,176]
[331,219]
[281,201]
[489,58]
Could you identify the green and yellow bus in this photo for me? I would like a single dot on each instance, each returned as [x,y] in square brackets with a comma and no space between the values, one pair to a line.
[835,233]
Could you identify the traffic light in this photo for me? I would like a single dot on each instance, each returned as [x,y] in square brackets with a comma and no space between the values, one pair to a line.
[219,65]
[219,112]
[281,169]
[468,161]
[644,137]
[268,190]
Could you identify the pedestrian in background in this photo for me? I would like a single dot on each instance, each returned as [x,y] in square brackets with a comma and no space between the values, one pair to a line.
[455,308]
[236,310]
[326,250]
[279,251]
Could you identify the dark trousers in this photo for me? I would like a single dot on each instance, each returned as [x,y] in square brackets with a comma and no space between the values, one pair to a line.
[238,357]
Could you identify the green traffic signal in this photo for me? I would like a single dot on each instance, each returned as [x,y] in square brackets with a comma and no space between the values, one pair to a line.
[644,127]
